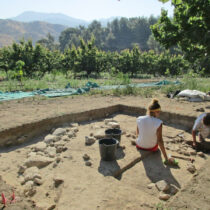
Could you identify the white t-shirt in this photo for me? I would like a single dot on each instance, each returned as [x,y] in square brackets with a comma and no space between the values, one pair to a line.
[199,126]
[147,126]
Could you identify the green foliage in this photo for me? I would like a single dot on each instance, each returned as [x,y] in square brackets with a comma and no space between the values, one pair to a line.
[161,206]
[119,34]
[19,70]
[189,29]
[87,61]
[48,42]
[130,90]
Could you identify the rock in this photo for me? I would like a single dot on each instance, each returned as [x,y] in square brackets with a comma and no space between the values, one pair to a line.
[40,153]
[21,169]
[60,149]
[58,181]
[71,134]
[31,154]
[55,165]
[95,127]
[128,135]
[74,124]
[151,185]
[133,142]
[51,138]
[200,110]
[75,129]
[167,147]
[21,180]
[173,189]
[88,163]
[41,146]
[38,161]
[42,205]
[51,207]
[100,134]
[89,140]
[122,147]
[114,125]
[186,153]
[38,181]
[162,185]
[58,160]
[29,184]
[59,132]
[191,168]
[106,121]
[191,151]
[59,143]
[65,138]
[86,157]
[201,154]
[31,173]
[29,191]
[51,152]
[164,197]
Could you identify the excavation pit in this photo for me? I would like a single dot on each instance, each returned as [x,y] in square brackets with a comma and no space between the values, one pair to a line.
[77,178]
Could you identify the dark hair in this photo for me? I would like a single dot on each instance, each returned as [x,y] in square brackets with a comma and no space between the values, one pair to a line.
[153,106]
[206,119]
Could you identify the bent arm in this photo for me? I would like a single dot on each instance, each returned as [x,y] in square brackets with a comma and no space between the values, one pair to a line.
[194,136]
[160,142]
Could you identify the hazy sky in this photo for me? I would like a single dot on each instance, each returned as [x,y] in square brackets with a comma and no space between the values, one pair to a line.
[85,9]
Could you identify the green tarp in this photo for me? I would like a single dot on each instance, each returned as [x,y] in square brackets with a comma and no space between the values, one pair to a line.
[71,91]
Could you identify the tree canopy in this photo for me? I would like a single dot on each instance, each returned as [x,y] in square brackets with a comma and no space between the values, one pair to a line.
[189,29]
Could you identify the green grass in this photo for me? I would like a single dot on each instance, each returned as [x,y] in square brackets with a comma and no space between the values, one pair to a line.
[191,83]
[161,206]
[59,81]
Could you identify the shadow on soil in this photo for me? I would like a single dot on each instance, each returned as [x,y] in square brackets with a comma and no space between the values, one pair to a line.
[108,168]
[156,170]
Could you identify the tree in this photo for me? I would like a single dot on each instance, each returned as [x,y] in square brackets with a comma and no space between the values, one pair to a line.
[5,60]
[189,29]
[48,42]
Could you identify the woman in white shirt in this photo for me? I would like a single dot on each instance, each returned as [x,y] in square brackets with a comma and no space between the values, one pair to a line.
[149,130]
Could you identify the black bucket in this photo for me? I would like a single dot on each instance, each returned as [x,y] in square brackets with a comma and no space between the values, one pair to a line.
[114,133]
[108,147]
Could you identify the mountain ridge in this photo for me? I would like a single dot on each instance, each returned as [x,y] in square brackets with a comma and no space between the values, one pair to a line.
[57,18]
[53,18]
[11,31]
[36,25]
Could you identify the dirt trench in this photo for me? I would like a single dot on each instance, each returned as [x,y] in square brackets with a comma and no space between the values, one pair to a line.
[89,184]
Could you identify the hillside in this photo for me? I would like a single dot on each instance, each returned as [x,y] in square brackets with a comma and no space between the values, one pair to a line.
[13,31]
[53,18]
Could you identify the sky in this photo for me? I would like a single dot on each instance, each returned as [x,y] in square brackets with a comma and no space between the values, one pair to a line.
[85,9]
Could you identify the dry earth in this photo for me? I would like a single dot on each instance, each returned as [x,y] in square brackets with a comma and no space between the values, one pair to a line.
[68,183]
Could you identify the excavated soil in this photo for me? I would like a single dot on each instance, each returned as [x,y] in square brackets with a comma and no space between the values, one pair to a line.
[91,185]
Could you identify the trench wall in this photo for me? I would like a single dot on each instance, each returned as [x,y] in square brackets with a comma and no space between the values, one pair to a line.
[25,132]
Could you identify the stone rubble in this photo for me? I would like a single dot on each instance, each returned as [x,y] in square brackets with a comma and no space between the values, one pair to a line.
[191,168]
[162,185]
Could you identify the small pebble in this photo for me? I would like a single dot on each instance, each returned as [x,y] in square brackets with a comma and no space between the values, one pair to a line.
[86,157]
[88,163]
